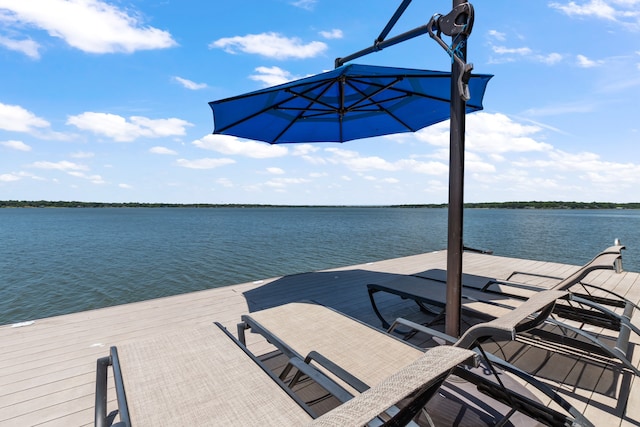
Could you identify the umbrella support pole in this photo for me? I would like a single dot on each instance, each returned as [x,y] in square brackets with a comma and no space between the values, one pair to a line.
[455,243]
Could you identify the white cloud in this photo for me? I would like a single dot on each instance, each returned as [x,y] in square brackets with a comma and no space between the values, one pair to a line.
[206,163]
[497,133]
[624,12]
[125,186]
[271,76]
[305,4]
[511,54]
[225,182]
[270,45]
[308,157]
[275,171]
[189,84]
[497,35]
[474,163]
[16,145]
[120,129]
[488,133]
[89,25]
[333,34]
[162,150]
[17,119]
[428,168]
[231,145]
[550,59]
[82,155]
[502,50]
[585,62]
[588,167]
[94,179]
[63,165]
[26,46]
[355,162]
[9,177]
[304,149]
[540,170]
[283,182]
[597,8]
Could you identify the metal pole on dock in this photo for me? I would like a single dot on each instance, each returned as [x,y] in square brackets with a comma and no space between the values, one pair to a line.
[456,195]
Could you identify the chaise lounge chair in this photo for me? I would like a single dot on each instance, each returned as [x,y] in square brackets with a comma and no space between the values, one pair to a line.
[361,356]
[206,377]
[493,299]
[609,259]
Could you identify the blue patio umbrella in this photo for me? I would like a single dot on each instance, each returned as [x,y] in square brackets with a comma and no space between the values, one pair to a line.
[350,102]
[361,101]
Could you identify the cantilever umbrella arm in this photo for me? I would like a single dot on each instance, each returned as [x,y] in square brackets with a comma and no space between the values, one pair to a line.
[457,24]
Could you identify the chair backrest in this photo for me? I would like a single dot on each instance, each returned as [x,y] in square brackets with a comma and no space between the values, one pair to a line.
[528,315]
[605,260]
[420,380]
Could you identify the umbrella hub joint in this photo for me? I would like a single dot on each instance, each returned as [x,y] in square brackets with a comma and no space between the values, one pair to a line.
[457,24]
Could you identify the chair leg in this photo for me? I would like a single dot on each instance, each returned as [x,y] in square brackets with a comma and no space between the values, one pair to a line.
[242,326]
[385,324]
[100,417]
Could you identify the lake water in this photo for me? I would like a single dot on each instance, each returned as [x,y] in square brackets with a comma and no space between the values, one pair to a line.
[58,261]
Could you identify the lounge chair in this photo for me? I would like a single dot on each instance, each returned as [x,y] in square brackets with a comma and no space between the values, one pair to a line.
[206,377]
[359,355]
[609,259]
[488,299]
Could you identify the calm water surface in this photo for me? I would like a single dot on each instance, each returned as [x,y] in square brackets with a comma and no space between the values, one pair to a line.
[58,261]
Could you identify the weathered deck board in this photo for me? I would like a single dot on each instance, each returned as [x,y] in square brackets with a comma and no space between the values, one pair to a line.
[47,369]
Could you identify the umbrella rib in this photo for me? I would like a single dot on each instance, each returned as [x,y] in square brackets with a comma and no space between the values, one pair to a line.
[265,109]
[368,97]
[341,113]
[396,89]
[313,101]
[300,114]
[373,103]
[381,108]
[251,116]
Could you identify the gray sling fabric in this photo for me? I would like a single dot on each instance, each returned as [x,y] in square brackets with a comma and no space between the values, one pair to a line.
[200,377]
[338,338]
[435,363]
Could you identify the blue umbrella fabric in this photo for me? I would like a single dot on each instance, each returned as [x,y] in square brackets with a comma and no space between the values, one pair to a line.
[351,102]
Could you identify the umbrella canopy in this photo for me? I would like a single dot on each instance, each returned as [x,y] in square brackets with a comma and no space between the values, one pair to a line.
[350,102]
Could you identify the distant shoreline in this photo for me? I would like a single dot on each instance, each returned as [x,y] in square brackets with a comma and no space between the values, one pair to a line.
[484,205]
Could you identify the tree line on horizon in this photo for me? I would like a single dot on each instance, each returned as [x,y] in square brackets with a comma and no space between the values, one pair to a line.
[482,205]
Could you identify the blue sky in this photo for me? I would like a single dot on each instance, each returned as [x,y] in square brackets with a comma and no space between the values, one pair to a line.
[107,101]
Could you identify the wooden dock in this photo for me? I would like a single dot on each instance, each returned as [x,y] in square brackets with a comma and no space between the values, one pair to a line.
[47,368]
